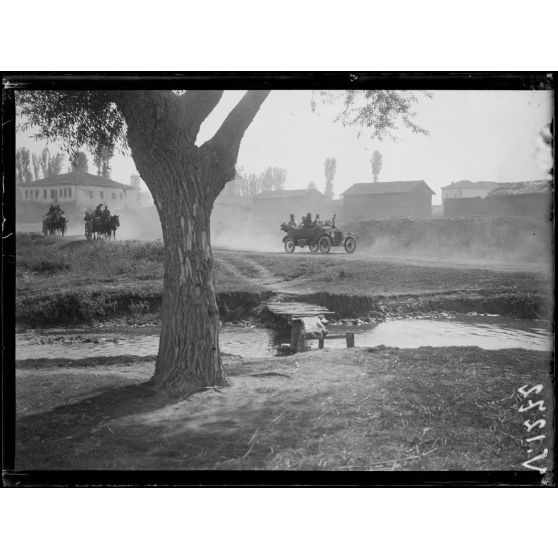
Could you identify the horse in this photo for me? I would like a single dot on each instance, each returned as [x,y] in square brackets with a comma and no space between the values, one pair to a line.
[113,225]
[100,225]
[54,221]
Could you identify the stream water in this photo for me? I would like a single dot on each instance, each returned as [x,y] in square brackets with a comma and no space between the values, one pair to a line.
[487,332]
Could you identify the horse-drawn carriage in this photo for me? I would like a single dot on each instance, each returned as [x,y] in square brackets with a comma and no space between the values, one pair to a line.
[54,221]
[100,223]
[317,236]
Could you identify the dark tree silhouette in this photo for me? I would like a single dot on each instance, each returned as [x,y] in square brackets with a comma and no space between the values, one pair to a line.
[24,174]
[376,164]
[330,167]
[102,162]
[36,164]
[79,161]
[51,165]
[278,177]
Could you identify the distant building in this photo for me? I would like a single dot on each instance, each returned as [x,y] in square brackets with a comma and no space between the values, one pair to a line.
[514,199]
[522,199]
[76,192]
[467,189]
[382,200]
[230,212]
[275,207]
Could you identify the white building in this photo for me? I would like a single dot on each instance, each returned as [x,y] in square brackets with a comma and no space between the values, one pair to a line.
[78,191]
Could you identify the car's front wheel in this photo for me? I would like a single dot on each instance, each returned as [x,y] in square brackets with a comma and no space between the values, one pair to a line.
[289,245]
[350,244]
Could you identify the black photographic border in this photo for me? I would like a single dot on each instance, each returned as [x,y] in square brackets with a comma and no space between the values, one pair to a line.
[12,81]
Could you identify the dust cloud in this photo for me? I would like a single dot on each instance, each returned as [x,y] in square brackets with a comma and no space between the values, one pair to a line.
[249,236]
[482,239]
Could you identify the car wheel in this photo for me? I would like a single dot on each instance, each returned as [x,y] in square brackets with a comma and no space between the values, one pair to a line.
[325,245]
[289,245]
[350,244]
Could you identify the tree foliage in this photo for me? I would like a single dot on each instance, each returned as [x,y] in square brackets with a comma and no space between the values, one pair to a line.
[330,168]
[278,177]
[78,119]
[380,110]
[36,164]
[79,161]
[102,161]
[243,184]
[24,174]
[51,165]
[376,164]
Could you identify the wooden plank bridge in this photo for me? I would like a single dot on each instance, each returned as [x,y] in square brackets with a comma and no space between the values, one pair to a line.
[297,309]
[304,321]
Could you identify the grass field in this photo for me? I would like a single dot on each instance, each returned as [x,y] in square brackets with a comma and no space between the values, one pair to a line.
[65,279]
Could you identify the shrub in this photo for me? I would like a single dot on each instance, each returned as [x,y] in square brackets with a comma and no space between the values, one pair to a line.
[38,264]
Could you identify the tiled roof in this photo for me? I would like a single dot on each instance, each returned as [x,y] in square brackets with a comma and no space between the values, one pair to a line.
[281,194]
[77,178]
[401,187]
[518,188]
[468,185]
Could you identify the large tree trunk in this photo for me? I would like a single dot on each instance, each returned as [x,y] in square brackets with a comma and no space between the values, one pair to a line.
[184,180]
[188,357]
[189,348]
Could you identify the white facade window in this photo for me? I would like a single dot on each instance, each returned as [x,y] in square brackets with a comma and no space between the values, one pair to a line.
[45,194]
[53,194]
[101,194]
[36,194]
[91,194]
[121,195]
[26,194]
[69,192]
[113,195]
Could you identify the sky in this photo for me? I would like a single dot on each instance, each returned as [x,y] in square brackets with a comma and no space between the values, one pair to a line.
[474,135]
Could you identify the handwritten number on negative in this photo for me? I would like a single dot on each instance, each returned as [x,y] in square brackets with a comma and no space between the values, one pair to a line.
[537,389]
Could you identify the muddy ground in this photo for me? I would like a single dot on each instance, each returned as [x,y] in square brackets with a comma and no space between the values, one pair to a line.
[348,409]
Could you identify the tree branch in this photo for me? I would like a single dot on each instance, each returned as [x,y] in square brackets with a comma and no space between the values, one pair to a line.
[221,151]
[226,141]
[198,105]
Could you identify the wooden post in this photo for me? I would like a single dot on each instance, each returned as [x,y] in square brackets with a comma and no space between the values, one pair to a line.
[321,340]
[297,336]
[350,337]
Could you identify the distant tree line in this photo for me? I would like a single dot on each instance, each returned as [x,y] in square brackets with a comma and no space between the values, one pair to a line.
[274,178]
[244,184]
[330,168]
[30,166]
